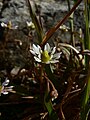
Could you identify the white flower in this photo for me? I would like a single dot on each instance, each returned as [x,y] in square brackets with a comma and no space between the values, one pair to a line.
[30,24]
[64,28]
[8,25]
[47,55]
[4,89]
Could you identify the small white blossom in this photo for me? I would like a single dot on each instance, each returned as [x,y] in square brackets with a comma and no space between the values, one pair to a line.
[8,25]
[48,55]
[64,28]
[30,24]
[3,24]
[4,88]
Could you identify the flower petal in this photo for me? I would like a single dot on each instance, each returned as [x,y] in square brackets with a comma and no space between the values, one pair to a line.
[5,83]
[56,56]
[10,87]
[4,92]
[53,51]
[37,59]
[33,52]
[3,24]
[54,61]
[46,62]
[47,48]
[36,49]
[39,56]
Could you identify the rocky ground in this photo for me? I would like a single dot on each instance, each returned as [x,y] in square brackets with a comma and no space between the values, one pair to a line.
[51,11]
[15,50]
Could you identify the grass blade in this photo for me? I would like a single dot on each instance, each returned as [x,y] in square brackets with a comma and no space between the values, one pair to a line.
[36,23]
[85,100]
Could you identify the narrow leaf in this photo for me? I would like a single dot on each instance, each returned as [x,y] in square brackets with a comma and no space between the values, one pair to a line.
[48,104]
[36,23]
[86,100]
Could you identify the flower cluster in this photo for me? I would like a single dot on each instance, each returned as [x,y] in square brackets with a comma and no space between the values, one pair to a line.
[4,88]
[48,55]
[8,25]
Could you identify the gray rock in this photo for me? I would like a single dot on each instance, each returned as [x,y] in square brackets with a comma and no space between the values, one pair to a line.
[55,11]
[15,11]
[51,12]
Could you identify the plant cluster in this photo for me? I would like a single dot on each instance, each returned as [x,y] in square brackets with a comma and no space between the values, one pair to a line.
[52,81]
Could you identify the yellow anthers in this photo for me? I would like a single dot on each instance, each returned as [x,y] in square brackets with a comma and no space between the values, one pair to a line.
[45,56]
[9,25]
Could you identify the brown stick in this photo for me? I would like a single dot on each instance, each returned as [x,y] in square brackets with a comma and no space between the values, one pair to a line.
[56,27]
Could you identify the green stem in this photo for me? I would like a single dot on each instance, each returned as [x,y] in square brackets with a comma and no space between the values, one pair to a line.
[85,109]
[87,32]
[37,24]
[71,25]
[41,73]
[42,82]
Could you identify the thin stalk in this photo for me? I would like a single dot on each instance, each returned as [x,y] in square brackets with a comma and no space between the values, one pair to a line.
[37,24]
[85,108]
[41,73]
[87,30]
[71,25]
[42,82]
[56,27]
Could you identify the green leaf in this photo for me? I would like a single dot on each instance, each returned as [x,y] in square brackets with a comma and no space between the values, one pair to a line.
[47,101]
[48,104]
[86,100]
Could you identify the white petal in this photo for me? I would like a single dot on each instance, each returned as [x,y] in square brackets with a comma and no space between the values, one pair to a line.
[10,87]
[54,61]
[48,62]
[39,56]
[5,83]
[33,52]
[53,51]
[36,49]
[3,24]
[56,56]
[5,92]
[47,47]
[28,23]
[37,59]
[15,27]
[6,80]
[51,56]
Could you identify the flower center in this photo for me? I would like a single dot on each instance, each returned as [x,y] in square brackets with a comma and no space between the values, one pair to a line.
[45,57]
